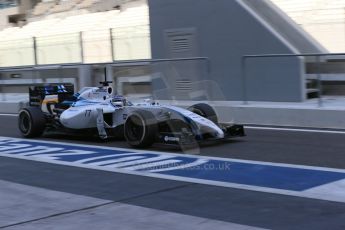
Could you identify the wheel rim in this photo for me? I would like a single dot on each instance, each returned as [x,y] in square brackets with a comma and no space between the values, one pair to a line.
[135,128]
[25,123]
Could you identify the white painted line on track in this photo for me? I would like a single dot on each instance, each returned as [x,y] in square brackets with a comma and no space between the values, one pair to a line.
[296,129]
[311,194]
[311,130]
[330,192]
[8,115]
[180,154]
[336,189]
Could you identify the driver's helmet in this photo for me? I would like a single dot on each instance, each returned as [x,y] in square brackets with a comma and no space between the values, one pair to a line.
[119,100]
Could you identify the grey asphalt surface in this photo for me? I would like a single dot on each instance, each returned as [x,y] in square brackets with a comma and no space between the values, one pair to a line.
[244,207]
[305,148]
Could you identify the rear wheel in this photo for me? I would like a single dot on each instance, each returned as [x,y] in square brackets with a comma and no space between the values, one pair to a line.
[31,122]
[140,129]
[206,111]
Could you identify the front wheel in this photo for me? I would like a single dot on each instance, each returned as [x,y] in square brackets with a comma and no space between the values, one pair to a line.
[31,122]
[206,111]
[140,129]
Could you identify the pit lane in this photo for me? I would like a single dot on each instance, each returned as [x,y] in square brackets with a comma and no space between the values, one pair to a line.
[244,206]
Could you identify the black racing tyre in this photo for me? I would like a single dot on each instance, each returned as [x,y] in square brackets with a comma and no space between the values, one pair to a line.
[205,110]
[140,129]
[31,122]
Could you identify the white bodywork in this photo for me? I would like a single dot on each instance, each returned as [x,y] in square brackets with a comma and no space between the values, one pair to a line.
[93,103]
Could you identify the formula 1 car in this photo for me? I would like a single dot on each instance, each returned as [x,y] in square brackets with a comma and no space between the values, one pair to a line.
[97,110]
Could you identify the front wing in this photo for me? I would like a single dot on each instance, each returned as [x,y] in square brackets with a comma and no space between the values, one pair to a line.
[181,138]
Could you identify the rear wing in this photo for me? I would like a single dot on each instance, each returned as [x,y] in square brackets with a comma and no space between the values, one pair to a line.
[38,93]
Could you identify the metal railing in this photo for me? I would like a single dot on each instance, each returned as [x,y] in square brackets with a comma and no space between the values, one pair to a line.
[35,78]
[318,61]
[104,45]
[115,63]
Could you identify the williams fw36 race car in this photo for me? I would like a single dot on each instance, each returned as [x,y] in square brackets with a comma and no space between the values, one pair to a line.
[97,111]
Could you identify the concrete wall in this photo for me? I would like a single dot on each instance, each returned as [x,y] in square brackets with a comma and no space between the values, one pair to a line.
[286,27]
[225,31]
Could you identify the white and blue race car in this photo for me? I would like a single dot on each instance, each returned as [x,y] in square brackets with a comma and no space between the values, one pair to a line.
[96,110]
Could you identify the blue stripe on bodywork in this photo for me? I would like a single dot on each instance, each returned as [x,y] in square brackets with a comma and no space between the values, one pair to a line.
[85,102]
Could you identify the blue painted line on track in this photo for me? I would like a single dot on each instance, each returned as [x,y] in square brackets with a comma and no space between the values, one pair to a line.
[192,167]
[293,179]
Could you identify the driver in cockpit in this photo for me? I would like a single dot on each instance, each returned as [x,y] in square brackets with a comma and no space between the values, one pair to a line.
[120,101]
